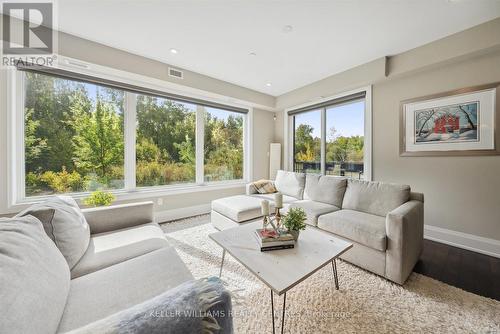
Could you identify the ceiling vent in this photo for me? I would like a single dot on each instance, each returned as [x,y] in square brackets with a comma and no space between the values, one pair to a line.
[74,63]
[173,72]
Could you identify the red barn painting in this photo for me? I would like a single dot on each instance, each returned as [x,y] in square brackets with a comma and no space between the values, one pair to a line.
[446,124]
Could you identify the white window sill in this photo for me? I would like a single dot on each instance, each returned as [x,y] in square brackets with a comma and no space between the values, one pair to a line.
[140,193]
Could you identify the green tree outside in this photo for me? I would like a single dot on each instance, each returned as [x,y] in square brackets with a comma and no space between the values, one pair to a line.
[339,149]
[75,142]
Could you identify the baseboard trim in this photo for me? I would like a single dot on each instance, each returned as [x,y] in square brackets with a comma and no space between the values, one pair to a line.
[173,214]
[467,241]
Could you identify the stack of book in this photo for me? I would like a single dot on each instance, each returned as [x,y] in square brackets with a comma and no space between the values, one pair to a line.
[271,240]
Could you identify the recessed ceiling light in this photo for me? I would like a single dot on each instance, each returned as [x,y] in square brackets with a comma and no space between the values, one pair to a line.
[174,51]
[252,54]
[287,28]
[268,84]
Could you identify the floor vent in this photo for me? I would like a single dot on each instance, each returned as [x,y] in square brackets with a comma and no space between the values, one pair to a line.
[173,72]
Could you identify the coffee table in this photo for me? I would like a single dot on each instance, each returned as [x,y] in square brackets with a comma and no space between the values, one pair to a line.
[283,269]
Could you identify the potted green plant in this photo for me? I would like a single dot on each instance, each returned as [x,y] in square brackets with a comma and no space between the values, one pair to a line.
[294,221]
[99,198]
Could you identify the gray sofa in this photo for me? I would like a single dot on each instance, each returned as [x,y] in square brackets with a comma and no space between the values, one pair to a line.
[384,221]
[129,279]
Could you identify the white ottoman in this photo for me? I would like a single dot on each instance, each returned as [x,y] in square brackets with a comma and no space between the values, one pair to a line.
[232,211]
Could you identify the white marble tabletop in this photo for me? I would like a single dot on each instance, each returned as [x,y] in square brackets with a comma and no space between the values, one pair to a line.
[282,269]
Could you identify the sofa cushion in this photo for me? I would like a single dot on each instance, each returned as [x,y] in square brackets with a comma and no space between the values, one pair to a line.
[108,248]
[290,183]
[113,289]
[364,228]
[377,198]
[313,209]
[240,208]
[326,189]
[65,224]
[34,278]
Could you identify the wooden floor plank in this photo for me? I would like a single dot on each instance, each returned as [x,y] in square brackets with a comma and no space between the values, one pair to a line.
[495,271]
[470,271]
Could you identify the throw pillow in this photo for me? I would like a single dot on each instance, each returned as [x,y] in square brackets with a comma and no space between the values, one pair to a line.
[65,224]
[290,183]
[34,278]
[264,186]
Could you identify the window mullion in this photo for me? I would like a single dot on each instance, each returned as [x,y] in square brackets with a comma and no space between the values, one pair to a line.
[130,120]
[17,122]
[248,146]
[200,144]
[323,141]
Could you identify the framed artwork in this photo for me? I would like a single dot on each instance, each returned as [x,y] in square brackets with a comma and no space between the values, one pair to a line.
[461,122]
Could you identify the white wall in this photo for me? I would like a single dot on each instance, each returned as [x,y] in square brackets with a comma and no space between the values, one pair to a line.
[263,135]
[462,193]
[92,52]
[78,48]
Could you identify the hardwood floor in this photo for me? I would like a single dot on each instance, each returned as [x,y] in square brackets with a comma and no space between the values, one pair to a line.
[470,271]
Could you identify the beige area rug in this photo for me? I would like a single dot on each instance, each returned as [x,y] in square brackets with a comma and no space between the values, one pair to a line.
[365,302]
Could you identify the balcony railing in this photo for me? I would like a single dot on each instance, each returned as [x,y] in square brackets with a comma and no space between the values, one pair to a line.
[338,168]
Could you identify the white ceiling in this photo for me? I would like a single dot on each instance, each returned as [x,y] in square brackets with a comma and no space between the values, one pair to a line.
[215,37]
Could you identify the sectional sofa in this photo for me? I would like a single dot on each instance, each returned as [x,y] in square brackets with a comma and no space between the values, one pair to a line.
[384,221]
[100,270]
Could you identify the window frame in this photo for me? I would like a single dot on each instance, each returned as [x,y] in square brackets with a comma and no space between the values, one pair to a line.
[289,129]
[16,132]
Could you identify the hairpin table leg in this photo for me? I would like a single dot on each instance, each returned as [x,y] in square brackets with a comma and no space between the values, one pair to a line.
[222,262]
[335,277]
[272,309]
[283,317]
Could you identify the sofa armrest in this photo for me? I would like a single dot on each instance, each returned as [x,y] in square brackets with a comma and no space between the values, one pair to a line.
[198,306]
[250,189]
[110,218]
[417,196]
[405,235]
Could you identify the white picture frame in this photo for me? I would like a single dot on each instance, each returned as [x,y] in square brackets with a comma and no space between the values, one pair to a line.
[462,122]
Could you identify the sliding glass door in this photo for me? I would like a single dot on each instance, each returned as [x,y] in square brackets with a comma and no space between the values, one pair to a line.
[345,139]
[330,138]
[307,142]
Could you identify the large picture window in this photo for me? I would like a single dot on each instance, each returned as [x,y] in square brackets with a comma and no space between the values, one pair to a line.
[166,135]
[223,145]
[80,135]
[330,138]
[73,135]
